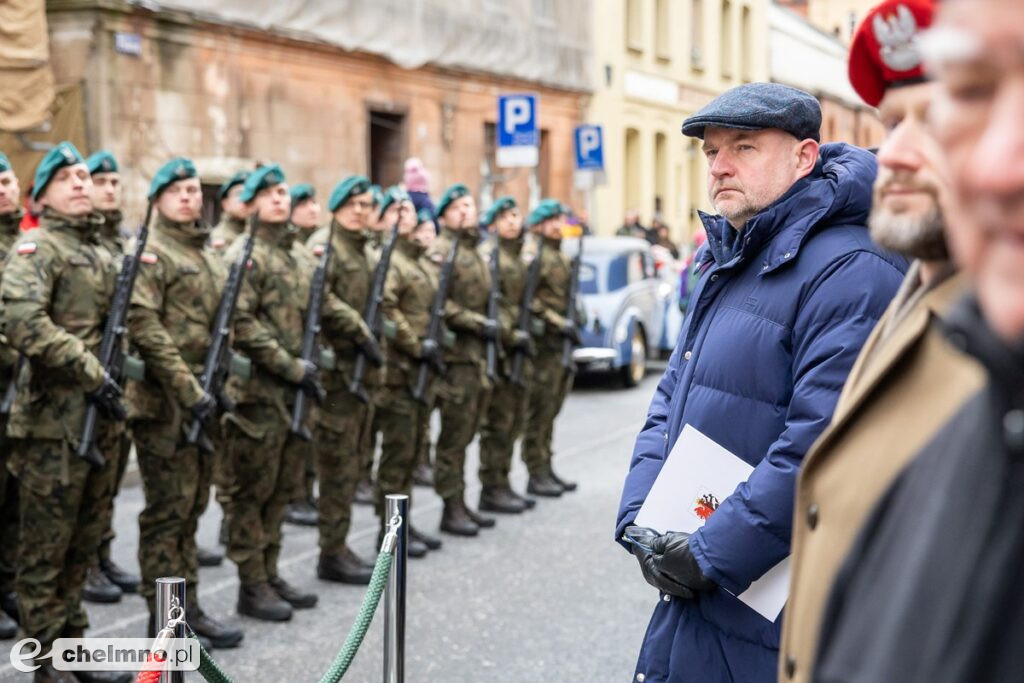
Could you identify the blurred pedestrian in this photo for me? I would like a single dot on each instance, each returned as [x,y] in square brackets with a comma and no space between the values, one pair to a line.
[664,240]
[932,590]
[417,183]
[631,226]
[790,287]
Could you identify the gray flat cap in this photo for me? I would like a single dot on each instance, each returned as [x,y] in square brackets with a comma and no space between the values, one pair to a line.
[756,106]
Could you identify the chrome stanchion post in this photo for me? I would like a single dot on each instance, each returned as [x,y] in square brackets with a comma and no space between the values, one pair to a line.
[170,604]
[394,596]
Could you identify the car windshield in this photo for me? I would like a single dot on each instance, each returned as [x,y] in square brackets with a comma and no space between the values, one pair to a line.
[602,272]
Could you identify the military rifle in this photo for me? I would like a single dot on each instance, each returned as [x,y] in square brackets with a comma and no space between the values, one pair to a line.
[570,307]
[435,328]
[12,391]
[493,298]
[114,332]
[526,312]
[372,314]
[310,350]
[215,367]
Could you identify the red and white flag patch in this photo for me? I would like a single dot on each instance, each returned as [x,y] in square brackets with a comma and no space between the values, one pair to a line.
[149,257]
[218,243]
[318,250]
[27,248]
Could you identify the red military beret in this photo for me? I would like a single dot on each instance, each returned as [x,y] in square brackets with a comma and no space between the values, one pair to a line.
[884,51]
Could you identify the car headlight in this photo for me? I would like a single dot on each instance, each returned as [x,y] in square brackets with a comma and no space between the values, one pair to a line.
[665,290]
[622,331]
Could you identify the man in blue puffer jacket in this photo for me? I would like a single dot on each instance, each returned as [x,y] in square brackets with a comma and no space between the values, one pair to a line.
[790,286]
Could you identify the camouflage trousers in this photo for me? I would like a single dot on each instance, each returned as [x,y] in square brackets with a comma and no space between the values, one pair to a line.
[342,422]
[549,387]
[502,425]
[423,444]
[401,419]
[8,526]
[305,454]
[267,472]
[61,504]
[176,481]
[463,401]
[120,453]
[368,436]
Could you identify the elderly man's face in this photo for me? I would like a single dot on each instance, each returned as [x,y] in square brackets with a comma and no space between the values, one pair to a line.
[905,214]
[977,118]
[750,169]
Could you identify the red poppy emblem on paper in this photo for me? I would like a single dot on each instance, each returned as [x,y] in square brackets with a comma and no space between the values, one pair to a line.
[706,506]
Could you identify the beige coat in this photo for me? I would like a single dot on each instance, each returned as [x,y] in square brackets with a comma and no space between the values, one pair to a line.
[900,392]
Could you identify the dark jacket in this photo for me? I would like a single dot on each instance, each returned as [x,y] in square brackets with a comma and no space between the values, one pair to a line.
[932,589]
[774,325]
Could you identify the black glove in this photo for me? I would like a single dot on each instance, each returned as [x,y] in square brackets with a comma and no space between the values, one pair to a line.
[371,350]
[521,340]
[657,579]
[107,398]
[431,353]
[491,330]
[570,330]
[205,409]
[310,382]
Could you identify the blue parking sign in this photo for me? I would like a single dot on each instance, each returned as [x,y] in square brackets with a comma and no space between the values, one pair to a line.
[589,148]
[517,120]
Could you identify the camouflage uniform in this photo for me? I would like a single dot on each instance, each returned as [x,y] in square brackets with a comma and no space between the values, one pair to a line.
[408,297]
[268,328]
[551,382]
[506,412]
[8,485]
[463,394]
[56,291]
[343,418]
[173,306]
[226,232]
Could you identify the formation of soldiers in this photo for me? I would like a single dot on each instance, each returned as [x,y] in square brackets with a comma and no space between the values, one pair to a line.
[257,356]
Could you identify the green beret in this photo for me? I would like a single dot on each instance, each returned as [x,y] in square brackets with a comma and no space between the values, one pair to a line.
[5,163]
[64,154]
[378,194]
[393,194]
[424,215]
[301,193]
[102,162]
[497,208]
[237,179]
[548,208]
[346,189]
[456,191]
[178,168]
[260,179]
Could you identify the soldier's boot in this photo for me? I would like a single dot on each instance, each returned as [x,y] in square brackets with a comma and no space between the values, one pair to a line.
[126,581]
[499,499]
[208,557]
[482,521]
[566,485]
[8,626]
[292,595]
[260,601]
[301,513]
[220,634]
[104,677]
[364,493]
[47,674]
[543,486]
[415,548]
[344,567]
[423,475]
[431,542]
[455,518]
[98,588]
[528,503]
[9,604]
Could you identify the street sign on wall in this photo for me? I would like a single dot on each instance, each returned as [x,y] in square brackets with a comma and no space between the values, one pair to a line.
[518,131]
[589,148]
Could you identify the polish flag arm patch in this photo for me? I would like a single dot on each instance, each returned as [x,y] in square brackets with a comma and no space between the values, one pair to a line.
[149,257]
[27,248]
[318,250]
[218,243]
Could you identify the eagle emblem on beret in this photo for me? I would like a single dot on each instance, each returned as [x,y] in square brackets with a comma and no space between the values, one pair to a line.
[68,156]
[897,39]
[181,171]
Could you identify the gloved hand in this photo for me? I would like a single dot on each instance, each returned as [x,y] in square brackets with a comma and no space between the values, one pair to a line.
[490,330]
[570,330]
[371,349]
[656,579]
[669,565]
[205,409]
[521,340]
[431,353]
[107,398]
[310,381]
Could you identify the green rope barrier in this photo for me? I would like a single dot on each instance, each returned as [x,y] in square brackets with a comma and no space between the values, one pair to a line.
[355,637]
[208,668]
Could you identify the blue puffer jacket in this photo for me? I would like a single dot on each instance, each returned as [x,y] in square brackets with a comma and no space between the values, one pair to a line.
[774,327]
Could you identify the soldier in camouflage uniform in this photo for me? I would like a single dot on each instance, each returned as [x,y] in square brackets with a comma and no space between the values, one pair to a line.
[463,393]
[268,327]
[503,422]
[172,310]
[10,218]
[423,475]
[56,290]
[342,415]
[551,382]
[106,581]
[233,213]
[306,216]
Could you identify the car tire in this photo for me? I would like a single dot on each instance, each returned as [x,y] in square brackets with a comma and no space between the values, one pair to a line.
[633,373]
